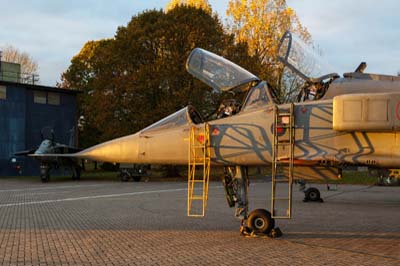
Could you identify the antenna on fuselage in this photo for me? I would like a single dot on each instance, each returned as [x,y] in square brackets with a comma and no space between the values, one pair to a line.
[361,67]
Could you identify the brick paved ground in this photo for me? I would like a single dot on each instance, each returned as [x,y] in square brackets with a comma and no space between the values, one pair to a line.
[111,223]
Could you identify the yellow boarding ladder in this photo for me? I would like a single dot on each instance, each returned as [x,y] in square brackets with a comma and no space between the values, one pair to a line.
[199,158]
[283,147]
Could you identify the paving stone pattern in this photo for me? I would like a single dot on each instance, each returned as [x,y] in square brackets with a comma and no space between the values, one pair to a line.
[112,223]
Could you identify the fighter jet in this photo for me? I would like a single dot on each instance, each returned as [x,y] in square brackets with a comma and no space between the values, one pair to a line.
[47,154]
[334,122]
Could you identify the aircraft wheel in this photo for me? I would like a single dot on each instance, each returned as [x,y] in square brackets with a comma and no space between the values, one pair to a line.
[312,194]
[124,176]
[260,221]
[137,178]
[78,173]
[45,178]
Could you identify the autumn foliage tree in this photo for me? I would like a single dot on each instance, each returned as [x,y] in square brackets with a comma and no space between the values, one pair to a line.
[261,24]
[139,76]
[201,4]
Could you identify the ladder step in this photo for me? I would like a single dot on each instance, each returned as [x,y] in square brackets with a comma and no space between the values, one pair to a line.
[280,217]
[281,198]
[195,215]
[199,156]
[282,163]
[196,198]
[283,144]
[281,180]
[197,163]
[285,119]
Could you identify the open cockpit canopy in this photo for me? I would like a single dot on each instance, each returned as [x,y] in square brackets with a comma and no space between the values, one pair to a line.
[304,60]
[217,72]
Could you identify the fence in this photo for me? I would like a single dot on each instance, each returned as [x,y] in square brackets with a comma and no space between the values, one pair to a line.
[19,77]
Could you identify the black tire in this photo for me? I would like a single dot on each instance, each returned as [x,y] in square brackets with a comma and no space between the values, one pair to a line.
[137,178]
[45,173]
[45,178]
[312,194]
[124,176]
[78,173]
[260,221]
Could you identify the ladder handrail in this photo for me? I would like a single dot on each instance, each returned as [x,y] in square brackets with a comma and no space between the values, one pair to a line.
[199,155]
[275,159]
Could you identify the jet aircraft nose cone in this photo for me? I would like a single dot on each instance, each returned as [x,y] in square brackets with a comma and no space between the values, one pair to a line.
[120,150]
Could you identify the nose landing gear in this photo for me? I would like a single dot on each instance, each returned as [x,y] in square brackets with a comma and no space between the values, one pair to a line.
[259,222]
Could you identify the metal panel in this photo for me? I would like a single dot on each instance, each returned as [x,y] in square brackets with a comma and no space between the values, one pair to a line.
[367,112]
[12,128]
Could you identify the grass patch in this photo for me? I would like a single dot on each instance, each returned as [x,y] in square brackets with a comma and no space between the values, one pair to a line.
[349,177]
[354,177]
[87,175]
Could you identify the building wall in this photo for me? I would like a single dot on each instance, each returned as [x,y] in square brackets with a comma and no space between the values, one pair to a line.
[61,118]
[12,126]
[21,122]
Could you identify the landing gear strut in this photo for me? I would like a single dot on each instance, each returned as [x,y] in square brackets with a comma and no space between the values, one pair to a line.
[236,184]
[259,222]
[76,173]
[44,173]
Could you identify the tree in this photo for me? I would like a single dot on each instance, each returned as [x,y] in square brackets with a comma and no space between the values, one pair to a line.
[139,76]
[202,4]
[84,74]
[261,24]
[13,55]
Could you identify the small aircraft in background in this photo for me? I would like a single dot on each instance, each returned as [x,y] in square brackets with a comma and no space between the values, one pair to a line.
[334,122]
[48,163]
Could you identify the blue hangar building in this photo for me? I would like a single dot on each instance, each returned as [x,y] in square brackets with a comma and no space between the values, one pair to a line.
[25,109]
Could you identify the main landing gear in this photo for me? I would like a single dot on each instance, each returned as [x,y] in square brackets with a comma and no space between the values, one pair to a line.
[256,223]
[45,169]
[311,194]
[45,172]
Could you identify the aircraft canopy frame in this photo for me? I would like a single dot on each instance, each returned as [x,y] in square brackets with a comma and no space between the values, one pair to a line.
[217,72]
[185,116]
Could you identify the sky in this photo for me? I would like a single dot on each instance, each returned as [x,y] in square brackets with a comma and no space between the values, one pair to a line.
[347,32]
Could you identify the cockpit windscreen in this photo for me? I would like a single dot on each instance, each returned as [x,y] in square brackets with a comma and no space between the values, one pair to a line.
[180,118]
